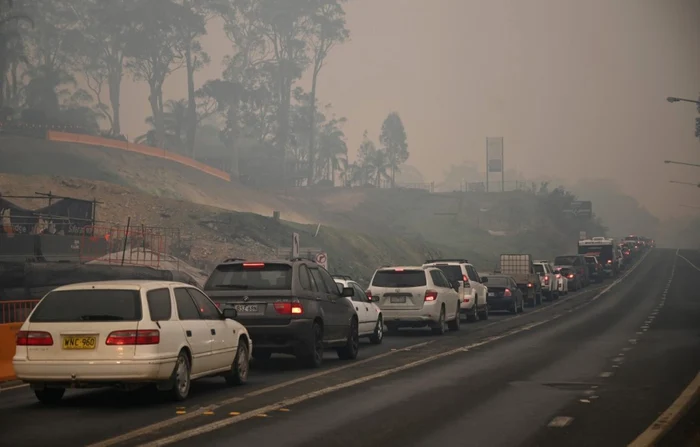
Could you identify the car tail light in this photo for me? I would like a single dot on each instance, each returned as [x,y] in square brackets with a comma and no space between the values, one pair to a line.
[218,305]
[529,284]
[369,294]
[609,261]
[507,293]
[465,279]
[144,337]
[571,276]
[34,338]
[398,270]
[430,295]
[558,276]
[289,308]
[546,280]
[247,265]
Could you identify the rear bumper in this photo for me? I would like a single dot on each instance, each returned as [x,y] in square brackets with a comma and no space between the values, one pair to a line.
[500,303]
[411,318]
[104,371]
[283,339]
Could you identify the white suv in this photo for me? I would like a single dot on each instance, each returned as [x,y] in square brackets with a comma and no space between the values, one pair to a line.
[472,290]
[548,279]
[369,315]
[415,297]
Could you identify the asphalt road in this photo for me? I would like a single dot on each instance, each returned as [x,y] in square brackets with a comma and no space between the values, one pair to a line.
[602,363]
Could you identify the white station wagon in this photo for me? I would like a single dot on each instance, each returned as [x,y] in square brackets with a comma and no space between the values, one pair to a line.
[126,334]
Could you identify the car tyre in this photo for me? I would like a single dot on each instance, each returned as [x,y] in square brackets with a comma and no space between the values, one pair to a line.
[180,379]
[439,327]
[473,313]
[484,314]
[352,347]
[314,359]
[378,335]
[515,309]
[522,306]
[239,369]
[50,396]
[455,324]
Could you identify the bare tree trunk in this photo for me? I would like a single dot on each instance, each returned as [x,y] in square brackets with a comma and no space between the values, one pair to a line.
[114,79]
[312,127]
[191,117]
[155,100]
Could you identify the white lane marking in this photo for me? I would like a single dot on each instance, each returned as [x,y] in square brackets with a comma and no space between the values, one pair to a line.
[670,417]
[606,374]
[560,422]
[686,260]
[200,411]
[584,401]
[9,388]
[287,403]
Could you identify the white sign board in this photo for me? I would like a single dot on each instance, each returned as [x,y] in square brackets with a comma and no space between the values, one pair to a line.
[295,245]
[322,260]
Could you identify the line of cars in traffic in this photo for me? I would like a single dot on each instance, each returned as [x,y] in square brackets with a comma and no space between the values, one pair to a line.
[133,332]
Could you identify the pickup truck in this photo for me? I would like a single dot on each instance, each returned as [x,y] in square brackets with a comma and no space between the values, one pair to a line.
[522,270]
[548,279]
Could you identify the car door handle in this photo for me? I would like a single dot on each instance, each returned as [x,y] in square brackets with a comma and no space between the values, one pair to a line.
[357,308]
[189,333]
[213,332]
[366,308]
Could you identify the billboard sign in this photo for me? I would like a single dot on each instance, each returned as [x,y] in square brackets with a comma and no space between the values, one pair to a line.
[494,154]
[580,209]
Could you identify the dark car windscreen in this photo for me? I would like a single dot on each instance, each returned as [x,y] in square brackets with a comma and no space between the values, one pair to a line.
[251,276]
[403,278]
[564,260]
[498,281]
[70,306]
[539,268]
[452,272]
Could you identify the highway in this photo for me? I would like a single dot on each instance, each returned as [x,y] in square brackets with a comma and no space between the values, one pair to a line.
[596,367]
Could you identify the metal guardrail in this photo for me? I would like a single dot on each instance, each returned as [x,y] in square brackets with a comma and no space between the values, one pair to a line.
[16,311]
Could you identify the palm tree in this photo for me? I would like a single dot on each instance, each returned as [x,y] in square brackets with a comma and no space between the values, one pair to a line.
[8,34]
[332,148]
[379,165]
[174,122]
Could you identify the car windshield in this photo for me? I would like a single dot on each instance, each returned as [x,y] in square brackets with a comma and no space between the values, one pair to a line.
[69,306]
[251,276]
[402,278]
[564,260]
[452,272]
[497,281]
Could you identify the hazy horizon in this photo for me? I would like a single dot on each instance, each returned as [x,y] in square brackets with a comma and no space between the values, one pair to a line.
[577,89]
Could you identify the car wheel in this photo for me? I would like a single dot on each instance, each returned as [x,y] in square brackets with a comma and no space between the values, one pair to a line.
[180,379]
[515,309]
[314,359]
[473,314]
[50,396]
[439,328]
[352,347]
[378,335]
[522,306]
[239,369]
[455,324]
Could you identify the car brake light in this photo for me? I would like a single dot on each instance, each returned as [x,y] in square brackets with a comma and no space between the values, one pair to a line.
[430,295]
[253,265]
[546,280]
[135,337]
[289,308]
[609,261]
[558,276]
[529,284]
[34,338]
[465,279]
[571,276]
[218,305]
[369,294]
[398,270]
[507,293]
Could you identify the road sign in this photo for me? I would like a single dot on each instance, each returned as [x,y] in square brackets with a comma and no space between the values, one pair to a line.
[295,245]
[322,260]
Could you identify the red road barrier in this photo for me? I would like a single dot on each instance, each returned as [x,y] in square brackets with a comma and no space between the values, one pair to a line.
[12,315]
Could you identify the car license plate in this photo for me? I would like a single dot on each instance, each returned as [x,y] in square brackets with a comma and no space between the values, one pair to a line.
[246,308]
[492,294]
[79,342]
[398,299]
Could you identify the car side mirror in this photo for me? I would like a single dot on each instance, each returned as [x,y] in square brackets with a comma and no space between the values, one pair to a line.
[230,313]
[348,292]
[484,280]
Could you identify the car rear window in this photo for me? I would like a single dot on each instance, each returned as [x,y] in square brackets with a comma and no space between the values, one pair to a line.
[497,281]
[565,271]
[404,278]
[68,306]
[565,260]
[251,276]
[452,272]
[539,268]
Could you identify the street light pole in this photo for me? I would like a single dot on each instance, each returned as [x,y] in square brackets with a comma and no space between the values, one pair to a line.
[684,183]
[673,99]
[681,163]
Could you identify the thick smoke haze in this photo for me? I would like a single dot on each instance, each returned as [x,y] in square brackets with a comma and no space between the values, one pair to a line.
[576,88]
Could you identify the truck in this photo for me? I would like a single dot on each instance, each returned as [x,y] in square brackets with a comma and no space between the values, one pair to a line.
[520,267]
[605,250]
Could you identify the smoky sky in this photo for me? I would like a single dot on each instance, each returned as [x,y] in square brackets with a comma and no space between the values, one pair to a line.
[576,88]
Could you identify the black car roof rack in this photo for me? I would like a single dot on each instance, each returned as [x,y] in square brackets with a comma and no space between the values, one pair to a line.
[432,261]
[233,259]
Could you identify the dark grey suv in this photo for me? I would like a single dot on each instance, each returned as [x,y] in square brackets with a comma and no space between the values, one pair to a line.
[290,307]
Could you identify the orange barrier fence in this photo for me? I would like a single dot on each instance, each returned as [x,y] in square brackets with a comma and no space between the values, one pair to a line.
[8,333]
[12,315]
[138,148]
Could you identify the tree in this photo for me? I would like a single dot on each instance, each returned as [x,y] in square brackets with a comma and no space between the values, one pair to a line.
[10,51]
[393,140]
[327,30]
[332,147]
[105,27]
[153,49]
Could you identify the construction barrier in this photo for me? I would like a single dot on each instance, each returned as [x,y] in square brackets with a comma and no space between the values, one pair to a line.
[12,315]
[137,148]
